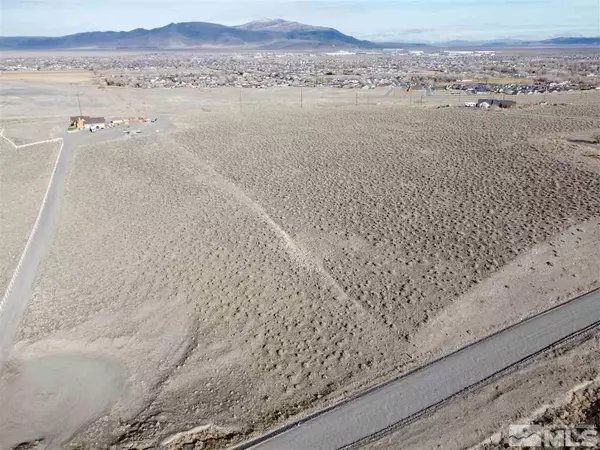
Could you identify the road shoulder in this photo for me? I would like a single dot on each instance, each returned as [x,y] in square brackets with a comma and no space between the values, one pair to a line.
[473,417]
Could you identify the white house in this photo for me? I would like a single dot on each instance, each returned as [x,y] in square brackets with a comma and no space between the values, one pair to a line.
[95,123]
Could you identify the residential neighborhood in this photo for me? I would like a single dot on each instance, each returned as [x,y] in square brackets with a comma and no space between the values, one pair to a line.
[470,72]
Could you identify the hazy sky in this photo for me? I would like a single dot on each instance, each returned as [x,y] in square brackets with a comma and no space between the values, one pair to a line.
[406,20]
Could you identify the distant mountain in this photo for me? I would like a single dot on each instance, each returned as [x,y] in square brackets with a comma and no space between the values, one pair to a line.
[265,34]
[573,41]
[465,43]
[401,45]
[279,25]
[517,43]
[272,34]
[494,44]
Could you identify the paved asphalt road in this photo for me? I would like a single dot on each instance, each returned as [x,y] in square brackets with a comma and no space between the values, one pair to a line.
[401,399]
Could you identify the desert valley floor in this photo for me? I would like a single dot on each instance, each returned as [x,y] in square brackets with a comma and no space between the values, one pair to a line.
[250,267]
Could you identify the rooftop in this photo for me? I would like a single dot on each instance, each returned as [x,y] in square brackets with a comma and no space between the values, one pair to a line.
[95,120]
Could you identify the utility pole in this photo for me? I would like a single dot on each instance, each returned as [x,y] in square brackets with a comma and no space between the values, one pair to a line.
[301,97]
[79,103]
[357,97]
[240,99]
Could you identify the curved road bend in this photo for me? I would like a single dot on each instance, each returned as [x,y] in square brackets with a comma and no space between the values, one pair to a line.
[14,302]
[403,398]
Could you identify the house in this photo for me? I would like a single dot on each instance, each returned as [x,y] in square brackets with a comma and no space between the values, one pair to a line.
[95,123]
[87,122]
[78,121]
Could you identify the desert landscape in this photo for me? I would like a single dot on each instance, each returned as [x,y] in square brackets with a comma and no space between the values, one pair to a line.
[25,174]
[265,258]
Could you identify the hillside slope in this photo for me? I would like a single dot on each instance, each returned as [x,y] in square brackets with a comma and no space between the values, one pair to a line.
[274,34]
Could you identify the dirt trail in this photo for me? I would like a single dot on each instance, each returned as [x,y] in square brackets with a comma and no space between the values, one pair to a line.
[302,257]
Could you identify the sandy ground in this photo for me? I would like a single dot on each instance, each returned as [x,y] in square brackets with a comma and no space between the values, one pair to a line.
[580,408]
[251,267]
[547,275]
[21,132]
[24,176]
[39,99]
[48,77]
[236,257]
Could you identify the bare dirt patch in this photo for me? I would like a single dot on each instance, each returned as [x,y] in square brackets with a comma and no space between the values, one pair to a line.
[82,387]
[544,277]
[49,77]
[579,410]
[21,132]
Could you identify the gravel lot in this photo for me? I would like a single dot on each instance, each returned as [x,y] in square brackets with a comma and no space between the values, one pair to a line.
[255,266]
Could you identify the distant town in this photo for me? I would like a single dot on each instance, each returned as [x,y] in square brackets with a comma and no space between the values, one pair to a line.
[471,72]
